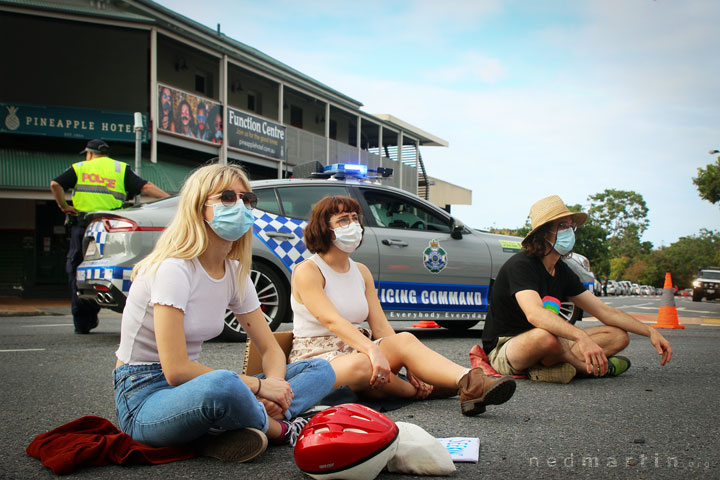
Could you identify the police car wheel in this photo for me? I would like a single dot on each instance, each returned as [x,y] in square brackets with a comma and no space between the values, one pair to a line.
[274,302]
[570,312]
[457,326]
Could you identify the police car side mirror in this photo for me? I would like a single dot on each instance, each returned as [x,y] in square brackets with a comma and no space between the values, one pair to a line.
[457,230]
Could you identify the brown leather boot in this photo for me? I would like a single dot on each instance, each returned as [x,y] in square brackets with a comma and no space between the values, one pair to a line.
[478,390]
[443,392]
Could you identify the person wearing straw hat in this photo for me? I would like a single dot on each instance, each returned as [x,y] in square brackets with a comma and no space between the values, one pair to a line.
[523,333]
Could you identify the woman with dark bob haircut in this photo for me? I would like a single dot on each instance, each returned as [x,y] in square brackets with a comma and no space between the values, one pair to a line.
[332,297]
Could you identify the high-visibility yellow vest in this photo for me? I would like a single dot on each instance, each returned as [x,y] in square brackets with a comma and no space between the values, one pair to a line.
[100,184]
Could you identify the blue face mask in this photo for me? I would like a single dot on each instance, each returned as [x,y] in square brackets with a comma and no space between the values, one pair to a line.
[564,241]
[231,223]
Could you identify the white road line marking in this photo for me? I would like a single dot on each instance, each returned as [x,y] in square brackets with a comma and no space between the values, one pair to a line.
[24,350]
[50,325]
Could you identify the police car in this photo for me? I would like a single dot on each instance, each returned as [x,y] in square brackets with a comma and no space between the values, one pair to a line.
[426,264]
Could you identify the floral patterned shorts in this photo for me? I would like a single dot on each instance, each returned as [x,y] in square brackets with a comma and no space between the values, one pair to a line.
[326,346]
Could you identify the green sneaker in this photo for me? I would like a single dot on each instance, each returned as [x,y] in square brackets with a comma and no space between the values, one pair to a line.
[617,365]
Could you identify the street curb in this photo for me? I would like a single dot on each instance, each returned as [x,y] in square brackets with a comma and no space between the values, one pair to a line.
[31,313]
[651,319]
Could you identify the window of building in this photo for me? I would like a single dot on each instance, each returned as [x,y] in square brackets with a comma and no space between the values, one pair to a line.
[352,134]
[254,103]
[296,116]
[200,83]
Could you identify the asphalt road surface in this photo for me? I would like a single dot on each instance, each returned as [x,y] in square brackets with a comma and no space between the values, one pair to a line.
[652,422]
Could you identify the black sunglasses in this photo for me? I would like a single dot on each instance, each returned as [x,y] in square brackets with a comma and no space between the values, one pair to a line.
[229,197]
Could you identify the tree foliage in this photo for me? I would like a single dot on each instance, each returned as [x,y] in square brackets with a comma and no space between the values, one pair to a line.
[620,213]
[708,182]
[690,253]
[682,259]
[516,232]
[591,241]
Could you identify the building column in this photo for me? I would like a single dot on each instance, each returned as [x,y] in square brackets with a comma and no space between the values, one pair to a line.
[224,102]
[327,133]
[358,138]
[153,95]
[380,143]
[401,139]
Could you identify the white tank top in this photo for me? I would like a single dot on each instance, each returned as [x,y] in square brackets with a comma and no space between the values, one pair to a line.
[345,290]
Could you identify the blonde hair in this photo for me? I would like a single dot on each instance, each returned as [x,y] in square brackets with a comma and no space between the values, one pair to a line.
[186,237]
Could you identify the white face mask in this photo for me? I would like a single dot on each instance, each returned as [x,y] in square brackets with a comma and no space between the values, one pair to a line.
[564,241]
[348,238]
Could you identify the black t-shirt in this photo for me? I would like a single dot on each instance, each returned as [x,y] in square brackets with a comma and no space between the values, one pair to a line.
[521,272]
[133,183]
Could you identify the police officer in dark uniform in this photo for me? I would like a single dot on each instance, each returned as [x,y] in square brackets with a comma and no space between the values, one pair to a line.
[98,183]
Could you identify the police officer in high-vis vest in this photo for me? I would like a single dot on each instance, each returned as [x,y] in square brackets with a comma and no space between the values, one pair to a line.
[98,183]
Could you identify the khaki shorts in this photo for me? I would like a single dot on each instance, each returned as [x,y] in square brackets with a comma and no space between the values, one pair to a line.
[498,358]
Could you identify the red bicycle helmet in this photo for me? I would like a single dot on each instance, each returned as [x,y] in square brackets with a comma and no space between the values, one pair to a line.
[348,441]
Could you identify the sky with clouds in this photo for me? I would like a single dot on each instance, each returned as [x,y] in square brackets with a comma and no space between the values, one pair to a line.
[535,98]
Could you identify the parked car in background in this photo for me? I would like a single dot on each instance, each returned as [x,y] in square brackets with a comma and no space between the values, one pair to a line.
[426,264]
[613,288]
[706,284]
[584,272]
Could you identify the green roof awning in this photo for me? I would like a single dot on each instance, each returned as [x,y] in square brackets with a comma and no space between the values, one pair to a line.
[29,170]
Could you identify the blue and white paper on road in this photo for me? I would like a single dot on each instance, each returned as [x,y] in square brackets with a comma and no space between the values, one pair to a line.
[462,449]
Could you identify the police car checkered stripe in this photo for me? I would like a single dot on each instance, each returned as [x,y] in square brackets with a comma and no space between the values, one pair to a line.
[118,276]
[97,231]
[290,252]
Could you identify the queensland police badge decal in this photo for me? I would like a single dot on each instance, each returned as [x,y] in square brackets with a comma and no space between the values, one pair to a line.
[434,257]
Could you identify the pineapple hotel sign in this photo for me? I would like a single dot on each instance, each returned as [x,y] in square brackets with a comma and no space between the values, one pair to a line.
[67,122]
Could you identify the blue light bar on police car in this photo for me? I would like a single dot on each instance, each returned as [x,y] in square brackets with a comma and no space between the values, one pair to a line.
[353,169]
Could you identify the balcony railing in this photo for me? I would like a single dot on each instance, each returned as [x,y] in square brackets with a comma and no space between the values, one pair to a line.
[303,147]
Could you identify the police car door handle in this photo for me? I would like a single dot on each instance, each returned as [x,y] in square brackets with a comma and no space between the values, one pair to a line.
[282,235]
[394,243]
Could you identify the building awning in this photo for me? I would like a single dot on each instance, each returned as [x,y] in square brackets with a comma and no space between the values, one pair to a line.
[426,139]
[444,193]
[33,170]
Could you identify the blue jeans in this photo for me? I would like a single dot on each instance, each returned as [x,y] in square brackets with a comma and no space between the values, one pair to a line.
[157,414]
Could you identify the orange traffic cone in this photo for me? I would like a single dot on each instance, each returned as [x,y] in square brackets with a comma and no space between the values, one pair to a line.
[667,316]
[426,324]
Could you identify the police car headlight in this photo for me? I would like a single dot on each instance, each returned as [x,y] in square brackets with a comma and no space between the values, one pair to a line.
[696,283]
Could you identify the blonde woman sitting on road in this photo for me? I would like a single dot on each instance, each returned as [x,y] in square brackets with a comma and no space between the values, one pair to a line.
[199,268]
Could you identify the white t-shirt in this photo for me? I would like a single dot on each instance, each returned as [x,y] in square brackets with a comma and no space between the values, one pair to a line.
[345,290]
[185,285]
